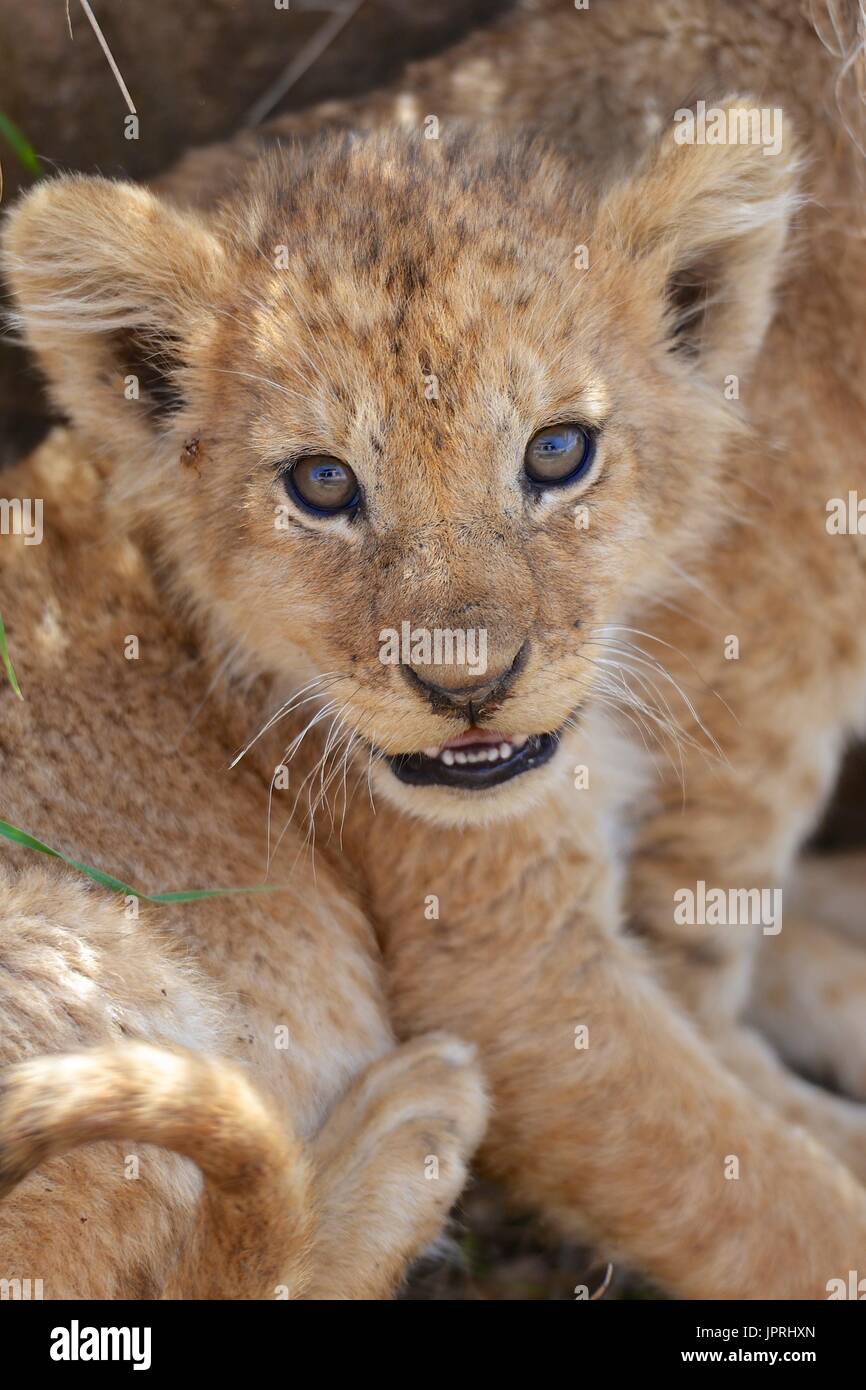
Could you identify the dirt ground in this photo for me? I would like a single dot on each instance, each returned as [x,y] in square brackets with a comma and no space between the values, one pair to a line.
[193,69]
[494,1254]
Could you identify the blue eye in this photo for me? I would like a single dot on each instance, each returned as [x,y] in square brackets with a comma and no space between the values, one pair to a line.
[559,454]
[323,484]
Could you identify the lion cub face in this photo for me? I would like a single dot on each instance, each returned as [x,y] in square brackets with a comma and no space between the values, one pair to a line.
[418,422]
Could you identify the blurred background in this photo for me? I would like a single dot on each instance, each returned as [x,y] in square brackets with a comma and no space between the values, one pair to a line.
[196,71]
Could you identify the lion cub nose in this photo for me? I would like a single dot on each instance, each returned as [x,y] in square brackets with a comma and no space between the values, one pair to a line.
[467,695]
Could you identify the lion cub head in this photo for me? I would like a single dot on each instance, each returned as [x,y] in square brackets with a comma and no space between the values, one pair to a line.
[421,418]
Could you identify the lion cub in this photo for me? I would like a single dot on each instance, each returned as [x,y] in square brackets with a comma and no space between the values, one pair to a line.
[246,1033]
[762,629]
[376,393]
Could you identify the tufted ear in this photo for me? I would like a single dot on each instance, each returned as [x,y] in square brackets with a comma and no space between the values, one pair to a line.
[110,287]
[707,217]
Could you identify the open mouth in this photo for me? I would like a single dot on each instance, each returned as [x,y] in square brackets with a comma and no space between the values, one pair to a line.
[476,760]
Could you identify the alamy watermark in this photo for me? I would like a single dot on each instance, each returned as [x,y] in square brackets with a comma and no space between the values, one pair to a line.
[437,646]
[21,1290]
[732,125]
[852,1287]
[22,516]
[846,516]
[729,907]
[77,1343]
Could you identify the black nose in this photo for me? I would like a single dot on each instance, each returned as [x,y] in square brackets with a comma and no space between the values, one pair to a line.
[472,697]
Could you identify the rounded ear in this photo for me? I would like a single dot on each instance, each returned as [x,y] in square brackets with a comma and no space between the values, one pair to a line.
[110,287]
[707,217]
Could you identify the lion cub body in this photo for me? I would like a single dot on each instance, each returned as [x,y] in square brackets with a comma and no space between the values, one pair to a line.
[118,755]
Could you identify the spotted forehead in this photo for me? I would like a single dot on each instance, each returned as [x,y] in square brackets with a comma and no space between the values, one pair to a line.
[386,279]
[379,224]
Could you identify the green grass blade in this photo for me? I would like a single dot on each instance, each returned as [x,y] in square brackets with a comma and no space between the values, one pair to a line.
[20,145]
[7,662]
[21,837]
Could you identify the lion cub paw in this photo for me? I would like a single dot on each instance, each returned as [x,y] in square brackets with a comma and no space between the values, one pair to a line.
[391,1160]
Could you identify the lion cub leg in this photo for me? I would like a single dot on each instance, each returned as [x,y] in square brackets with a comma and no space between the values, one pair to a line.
[831,889]
[810,990]
[612,1115]
[810,1000]
[839,1122]
[390,1162]
[804,988]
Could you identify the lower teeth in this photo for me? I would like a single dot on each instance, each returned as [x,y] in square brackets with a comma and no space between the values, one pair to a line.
[484,755]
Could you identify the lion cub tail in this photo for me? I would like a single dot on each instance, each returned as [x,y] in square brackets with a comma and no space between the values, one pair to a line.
[254,1218]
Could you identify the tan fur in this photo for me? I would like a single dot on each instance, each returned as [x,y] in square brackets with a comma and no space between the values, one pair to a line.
[810,987]
[456,257]
[114,761]
[254,1225]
